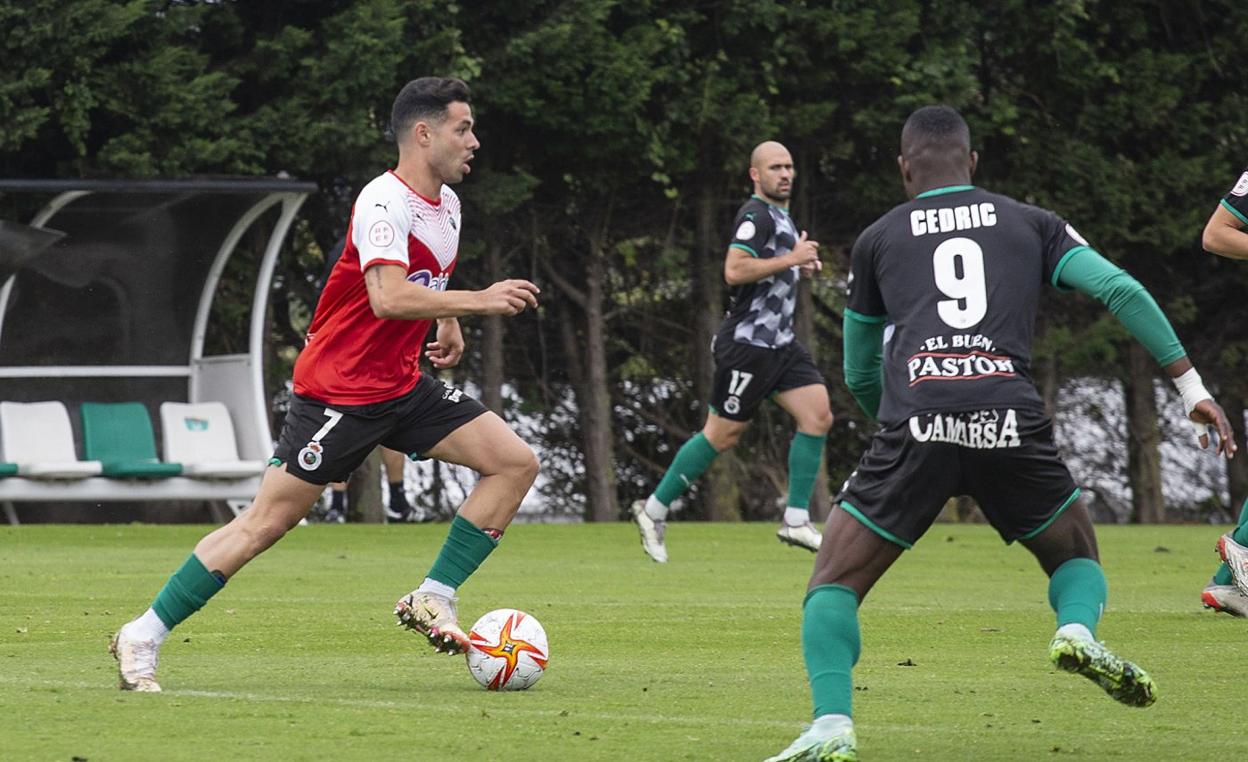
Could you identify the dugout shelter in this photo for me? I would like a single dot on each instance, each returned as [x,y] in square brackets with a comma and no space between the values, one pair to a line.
[110,293]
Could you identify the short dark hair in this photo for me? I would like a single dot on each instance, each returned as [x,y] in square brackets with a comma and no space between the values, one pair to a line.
[425,98]
[939,127]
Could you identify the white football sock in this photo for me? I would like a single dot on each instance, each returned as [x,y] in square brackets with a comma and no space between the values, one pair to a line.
[147,627]
[795,517]
[1075,631]
[834,722]
[436,587]
[655,509]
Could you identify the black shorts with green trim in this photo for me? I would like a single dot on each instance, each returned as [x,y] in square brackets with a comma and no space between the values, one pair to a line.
[323,443]
[745,375]
[1003,458]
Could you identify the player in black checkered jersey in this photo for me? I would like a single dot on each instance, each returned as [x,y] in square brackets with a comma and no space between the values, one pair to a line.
[756,357]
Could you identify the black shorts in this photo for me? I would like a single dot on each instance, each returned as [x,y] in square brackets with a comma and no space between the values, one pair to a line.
[745,375]
[1003,458]
[322,443]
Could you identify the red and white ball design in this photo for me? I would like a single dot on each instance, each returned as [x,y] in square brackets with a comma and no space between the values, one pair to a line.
[509,650]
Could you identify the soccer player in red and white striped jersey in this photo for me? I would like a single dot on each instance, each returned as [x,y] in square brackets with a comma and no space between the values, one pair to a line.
[358,385]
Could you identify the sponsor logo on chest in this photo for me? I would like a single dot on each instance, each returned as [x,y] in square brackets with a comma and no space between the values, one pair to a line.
[429,280]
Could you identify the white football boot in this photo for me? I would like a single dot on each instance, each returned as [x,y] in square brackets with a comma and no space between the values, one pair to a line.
[1236,557]
[1225,598]
[827,739]
[433,616]
[800,536]
[652,532]
[136,662]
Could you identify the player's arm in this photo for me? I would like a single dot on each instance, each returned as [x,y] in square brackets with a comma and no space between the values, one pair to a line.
[392,296]
[742,265]
[864,360]
[1224,233]
[449,347]
[1086,270]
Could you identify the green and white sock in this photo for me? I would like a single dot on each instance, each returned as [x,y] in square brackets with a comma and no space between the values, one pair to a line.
[805,459]
[466,548]
[186,592]
[795,517]
[1077,592]
[691,461]
[147,627]
[656,510]
[831,644]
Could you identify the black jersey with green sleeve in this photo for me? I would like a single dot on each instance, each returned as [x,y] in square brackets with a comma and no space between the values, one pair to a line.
[761,313]
[1236,199]
[956,273]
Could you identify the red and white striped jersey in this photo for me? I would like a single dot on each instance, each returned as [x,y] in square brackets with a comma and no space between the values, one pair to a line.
[353,357]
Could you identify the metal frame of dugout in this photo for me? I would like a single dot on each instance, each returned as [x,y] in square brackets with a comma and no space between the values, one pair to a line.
[107,295]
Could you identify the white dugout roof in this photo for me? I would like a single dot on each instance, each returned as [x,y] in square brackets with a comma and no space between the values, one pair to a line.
[107,294]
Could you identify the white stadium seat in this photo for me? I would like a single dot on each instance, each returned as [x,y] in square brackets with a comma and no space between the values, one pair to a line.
[37,436]
[200,436]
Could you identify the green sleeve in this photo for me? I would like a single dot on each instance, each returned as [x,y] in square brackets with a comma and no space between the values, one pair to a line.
[864,360]
[1086,270]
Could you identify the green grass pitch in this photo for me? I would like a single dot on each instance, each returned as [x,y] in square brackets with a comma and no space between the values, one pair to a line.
[299,658]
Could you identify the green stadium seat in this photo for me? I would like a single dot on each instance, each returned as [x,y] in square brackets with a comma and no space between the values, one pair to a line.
[119,435]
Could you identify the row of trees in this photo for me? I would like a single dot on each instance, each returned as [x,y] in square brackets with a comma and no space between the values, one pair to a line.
[615,139]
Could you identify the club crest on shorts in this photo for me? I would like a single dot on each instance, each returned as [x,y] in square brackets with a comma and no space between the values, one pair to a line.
[310,457]
[451,393]
[732,405]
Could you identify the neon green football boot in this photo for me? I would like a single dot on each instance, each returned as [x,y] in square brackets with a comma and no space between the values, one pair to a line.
[1122,680]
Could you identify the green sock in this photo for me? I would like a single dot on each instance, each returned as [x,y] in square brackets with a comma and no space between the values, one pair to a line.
[831,644]
[186,592]
[693,458]
[466,547]
[1240,535]
[1077,592]
[805,458]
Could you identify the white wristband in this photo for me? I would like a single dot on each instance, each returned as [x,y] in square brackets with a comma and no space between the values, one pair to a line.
[1193,392]
[1191,389]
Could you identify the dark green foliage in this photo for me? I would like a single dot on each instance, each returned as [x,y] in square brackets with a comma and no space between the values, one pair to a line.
[607,128]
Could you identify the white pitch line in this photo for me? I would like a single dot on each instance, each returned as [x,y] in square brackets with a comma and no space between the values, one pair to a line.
[571,715]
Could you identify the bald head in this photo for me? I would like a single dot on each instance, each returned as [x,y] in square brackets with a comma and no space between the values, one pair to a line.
[935,148]
[771,169]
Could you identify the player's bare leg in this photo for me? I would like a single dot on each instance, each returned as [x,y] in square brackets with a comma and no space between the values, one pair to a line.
[283,500]
[811,412]
[1067,552]
[849,563]
[281,503]
[508,468]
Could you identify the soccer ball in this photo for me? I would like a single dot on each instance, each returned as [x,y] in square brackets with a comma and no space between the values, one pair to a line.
[508,650]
